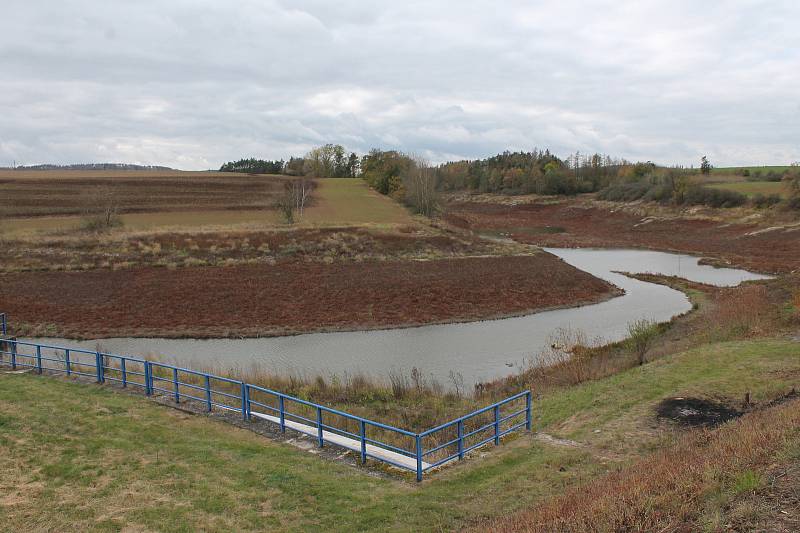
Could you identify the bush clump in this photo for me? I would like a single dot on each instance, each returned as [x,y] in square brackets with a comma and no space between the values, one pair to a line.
[762,201]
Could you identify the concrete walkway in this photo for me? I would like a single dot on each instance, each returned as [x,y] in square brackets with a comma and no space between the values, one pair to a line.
[329,437]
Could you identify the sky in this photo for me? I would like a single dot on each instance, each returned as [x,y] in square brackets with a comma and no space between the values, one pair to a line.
[194,83]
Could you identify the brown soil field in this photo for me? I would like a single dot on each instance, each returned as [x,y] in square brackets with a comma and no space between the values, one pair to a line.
[582,223]
[47,193]
[253,300]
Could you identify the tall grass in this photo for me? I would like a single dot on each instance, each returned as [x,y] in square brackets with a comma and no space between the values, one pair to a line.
[676,489]
[743,312]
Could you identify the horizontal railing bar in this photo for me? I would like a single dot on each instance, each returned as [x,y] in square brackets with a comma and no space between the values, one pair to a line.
[127,372]
[275,409]
[333,411]
[440,462]
[445,445]
[127,381]
[339,431]
[225,406]
[389,461]
[474,413]
[512,428]
[191,386]
[48,347]
[479,444]
[234,396]
[190,397]
[512,415]
[390,447]
[483,428]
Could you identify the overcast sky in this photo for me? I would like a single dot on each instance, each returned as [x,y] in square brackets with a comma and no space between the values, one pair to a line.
[193,83]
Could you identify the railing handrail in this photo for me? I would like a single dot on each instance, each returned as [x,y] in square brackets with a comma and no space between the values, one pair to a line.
[333,411]
[474,413]
[246,403]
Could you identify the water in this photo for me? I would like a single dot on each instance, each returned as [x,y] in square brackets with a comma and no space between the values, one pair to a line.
[479,351]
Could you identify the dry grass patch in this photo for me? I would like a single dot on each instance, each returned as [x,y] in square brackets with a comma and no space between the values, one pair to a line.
[677,489]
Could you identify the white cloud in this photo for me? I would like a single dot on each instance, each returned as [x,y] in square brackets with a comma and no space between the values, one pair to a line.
[194,83]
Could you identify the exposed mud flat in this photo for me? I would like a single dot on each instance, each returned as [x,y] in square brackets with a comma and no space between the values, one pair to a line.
[291,297]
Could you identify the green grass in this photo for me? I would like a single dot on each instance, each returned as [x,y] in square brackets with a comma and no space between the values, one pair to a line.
[738,170]
[351,201]
[752,188]
[83,457]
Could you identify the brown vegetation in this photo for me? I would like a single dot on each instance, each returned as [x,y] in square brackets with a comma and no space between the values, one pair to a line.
[43,193]
[80,251]
[677,489]
[261,299]
[581,223]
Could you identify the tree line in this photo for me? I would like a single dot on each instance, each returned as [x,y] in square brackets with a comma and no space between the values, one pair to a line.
[327,161]
[414,181]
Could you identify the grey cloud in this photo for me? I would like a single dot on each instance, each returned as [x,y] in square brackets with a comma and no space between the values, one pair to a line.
[191,84]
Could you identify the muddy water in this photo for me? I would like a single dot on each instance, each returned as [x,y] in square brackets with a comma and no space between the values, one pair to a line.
[479,351]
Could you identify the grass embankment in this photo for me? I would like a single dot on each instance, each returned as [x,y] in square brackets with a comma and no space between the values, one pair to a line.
[83,457]
[690,487]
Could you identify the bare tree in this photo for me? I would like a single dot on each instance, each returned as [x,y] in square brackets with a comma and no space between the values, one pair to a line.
[420,183]
[301,192]
[102,212]
[296,194]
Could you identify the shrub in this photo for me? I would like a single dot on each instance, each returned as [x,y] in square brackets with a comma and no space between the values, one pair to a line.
[762,201]
[659,193]
[641,334]
[697,195]
[793,203]
[624,192]
[101,222]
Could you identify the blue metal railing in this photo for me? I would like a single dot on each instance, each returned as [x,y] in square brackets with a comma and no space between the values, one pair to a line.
[420,453]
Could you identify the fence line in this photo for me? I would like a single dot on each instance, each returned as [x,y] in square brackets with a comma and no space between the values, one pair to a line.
[424,451]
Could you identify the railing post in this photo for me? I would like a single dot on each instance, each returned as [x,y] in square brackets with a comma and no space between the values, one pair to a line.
[460,429]
[419,457]
[148,374]
[363,434]
[3,324]
[175,382]
[124,372]
[208,393]
[282,412]
[319,426]
[98,364]
[528,410]
[14,354]
[497,425]
[245,401]
[66,362]
[38,359]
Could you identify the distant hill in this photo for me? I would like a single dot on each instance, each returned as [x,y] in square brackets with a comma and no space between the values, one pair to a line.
[93,166]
